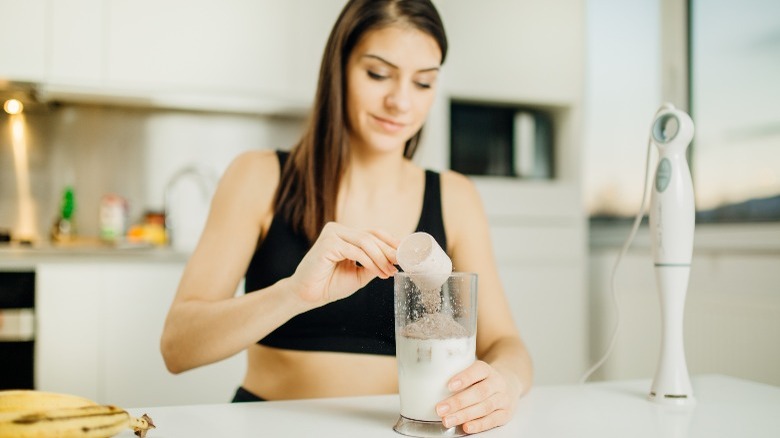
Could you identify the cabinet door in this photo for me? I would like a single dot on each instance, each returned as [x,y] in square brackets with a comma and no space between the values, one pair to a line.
[76,42]
[539,241]
[508,50]
[544,278]
[68,319]
[22,39]
[309,31]
[230,46]
[99,328]
[136,298]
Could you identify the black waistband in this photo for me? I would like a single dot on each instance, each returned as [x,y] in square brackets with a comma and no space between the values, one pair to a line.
[243,396]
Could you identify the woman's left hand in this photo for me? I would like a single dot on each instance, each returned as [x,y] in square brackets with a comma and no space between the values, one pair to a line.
[483,399]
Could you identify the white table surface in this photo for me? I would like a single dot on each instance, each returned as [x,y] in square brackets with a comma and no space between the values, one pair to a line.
[725,407]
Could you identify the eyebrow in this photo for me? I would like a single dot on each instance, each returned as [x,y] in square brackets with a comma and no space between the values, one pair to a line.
[379,58]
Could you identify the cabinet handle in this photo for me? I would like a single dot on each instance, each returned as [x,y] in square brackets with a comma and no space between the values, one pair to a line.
[17,325]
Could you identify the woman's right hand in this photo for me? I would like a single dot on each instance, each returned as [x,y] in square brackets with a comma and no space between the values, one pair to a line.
[341,261]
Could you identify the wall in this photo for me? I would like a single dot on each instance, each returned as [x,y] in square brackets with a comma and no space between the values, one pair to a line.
[129,151]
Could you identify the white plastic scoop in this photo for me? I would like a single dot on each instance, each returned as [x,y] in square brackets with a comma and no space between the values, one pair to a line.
[421,255]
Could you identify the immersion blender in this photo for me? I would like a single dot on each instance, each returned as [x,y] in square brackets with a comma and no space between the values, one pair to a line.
[672,219]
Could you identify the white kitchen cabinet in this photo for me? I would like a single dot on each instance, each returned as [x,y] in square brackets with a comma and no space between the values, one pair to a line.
[550,313]
[515,51]
[67,344]
[52,42]
[235,55]
[75,38]
[732,306]
[267,48]
[99,327]
[134,371]
[233,46]
[539,242]
[308,33]
[22,40]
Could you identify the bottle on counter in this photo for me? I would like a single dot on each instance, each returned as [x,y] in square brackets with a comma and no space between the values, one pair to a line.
[113,218]
[64,228]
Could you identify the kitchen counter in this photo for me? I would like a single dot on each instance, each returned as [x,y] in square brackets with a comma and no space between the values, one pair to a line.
[725,407]
[27,257]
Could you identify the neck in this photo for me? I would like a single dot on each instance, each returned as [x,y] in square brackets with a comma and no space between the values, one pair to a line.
[369,181]
[374,173]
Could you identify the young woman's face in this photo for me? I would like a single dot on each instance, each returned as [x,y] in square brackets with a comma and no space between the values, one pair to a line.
[391,83]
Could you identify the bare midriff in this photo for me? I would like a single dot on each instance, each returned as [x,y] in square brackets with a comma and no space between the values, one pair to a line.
[278,374]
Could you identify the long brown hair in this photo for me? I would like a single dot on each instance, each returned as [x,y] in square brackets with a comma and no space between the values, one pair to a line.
[310,180]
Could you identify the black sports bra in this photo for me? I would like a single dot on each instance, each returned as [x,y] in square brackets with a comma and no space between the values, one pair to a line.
[360,323]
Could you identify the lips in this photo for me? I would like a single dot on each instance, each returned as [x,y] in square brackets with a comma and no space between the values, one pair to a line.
[389,125]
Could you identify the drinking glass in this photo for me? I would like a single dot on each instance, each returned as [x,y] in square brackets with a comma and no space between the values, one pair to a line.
[435,334]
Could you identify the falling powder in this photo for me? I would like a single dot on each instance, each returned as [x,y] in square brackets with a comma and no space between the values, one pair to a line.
[435,326]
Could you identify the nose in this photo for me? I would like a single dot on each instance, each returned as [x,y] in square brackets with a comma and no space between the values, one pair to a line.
[399,98]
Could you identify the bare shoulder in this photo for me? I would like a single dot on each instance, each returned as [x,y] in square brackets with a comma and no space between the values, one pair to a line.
[459,191]
[258,164]
[462,209]
[250,180]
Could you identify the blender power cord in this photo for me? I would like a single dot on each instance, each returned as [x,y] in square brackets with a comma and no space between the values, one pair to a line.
[624,249]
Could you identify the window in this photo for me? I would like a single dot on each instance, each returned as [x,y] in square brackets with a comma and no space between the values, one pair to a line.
[733,96]
[735,105]
[622,93]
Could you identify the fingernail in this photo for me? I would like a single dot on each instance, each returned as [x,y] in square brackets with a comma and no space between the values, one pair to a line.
[441,410]
[456,384]
[448,422]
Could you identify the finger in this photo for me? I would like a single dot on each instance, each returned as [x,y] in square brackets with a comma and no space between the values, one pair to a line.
[486,406]
[387,238]
[476,372]
[371,245]
[494,419]
[388,245]
[471,396]
[348,251]
[478,386]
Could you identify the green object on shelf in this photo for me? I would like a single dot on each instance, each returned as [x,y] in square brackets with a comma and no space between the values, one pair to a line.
[68,205]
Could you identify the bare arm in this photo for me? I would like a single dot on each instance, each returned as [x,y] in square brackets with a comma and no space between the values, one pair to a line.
[207,323]
[504,372]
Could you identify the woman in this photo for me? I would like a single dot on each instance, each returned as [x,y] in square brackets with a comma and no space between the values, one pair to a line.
[315,235]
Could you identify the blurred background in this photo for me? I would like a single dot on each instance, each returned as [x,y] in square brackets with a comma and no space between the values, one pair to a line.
[120,116]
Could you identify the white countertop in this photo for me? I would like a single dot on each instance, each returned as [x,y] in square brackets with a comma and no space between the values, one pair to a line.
[23,257]
[725,407]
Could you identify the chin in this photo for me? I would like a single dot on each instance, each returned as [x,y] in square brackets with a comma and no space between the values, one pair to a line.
[385,144]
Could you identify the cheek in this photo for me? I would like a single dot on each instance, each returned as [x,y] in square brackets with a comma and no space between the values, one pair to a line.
[360,96]
[423,106]
[354,105]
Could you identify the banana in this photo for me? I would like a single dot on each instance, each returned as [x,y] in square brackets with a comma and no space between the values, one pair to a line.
[17,400]
[37,414]
[83,422]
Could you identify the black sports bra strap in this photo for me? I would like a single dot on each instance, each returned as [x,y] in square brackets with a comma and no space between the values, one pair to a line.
[431,218]
[282,155]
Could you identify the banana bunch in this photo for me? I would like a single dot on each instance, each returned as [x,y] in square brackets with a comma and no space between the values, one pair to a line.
[39,414]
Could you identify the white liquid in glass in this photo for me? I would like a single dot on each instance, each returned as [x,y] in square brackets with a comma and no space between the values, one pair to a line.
[424,368]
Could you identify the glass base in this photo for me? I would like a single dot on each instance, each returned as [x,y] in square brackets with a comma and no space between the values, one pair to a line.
[426,429]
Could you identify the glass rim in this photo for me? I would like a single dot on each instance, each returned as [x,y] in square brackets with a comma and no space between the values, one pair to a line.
[452,274]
